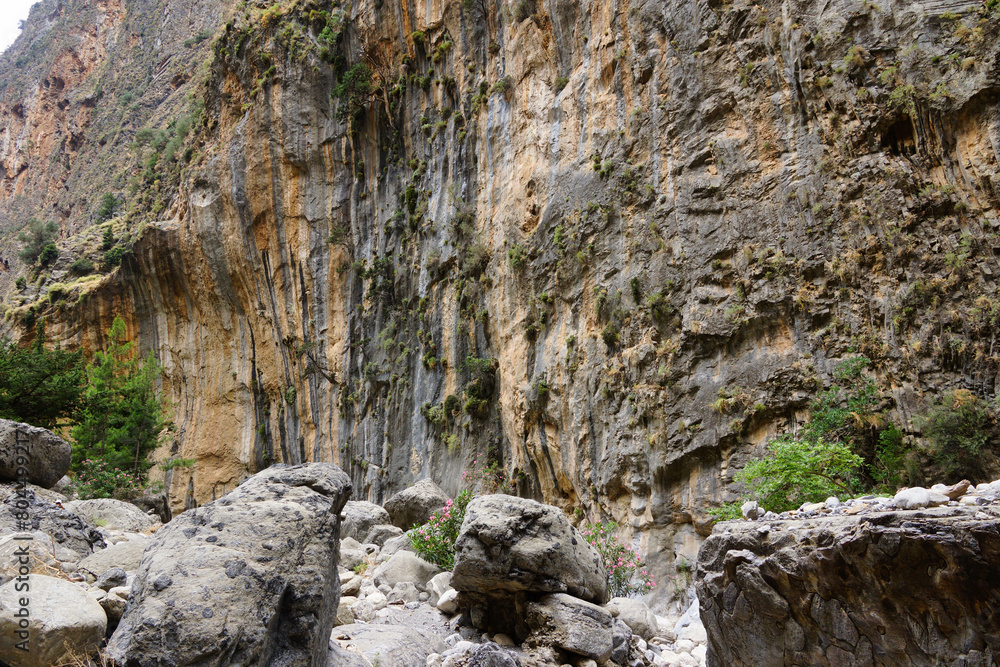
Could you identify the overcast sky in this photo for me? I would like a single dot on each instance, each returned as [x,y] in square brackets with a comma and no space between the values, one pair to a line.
[12,13]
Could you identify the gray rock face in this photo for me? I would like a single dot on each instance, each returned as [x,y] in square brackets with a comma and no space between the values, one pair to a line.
[380,534]
[73,536]
[415,505]
[359,517]
[248,579]
[111,513]
[636,615]
[914,587]
[572,624]
[126,555]
[395,645]
[62,619]
[490,654]
[405,566]
[509,545]
[44,456]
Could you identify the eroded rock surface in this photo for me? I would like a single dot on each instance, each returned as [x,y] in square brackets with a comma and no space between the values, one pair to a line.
[907,587]
[250,578]
[43,456]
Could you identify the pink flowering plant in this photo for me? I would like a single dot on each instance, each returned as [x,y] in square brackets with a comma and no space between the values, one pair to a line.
[435,540]
[100,479]
[627,573]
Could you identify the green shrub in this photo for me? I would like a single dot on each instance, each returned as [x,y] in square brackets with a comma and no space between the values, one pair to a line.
[797,471]
[38,239]
[20,283]
[107,207]
[435,540]
[82,266]
[39,386]
[113,257]
[956,429]
[627,574]
[107,239]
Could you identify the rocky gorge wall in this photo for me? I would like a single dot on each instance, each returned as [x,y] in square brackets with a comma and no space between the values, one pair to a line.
[588,223]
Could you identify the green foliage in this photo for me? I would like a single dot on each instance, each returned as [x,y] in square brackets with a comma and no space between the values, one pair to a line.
[560,83]
[355,89]
[113,257]
[956,429]
[107,207]
[479,389]
[726,512]
[20,283]
[38,239]
[39,386]
[435,540]
[99,479]
[517,255]
[122,414]
[108,238]
[81,266]
[799,470]
[503,86]
[627,574]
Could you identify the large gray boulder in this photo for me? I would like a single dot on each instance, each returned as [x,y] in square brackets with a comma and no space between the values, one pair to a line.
[508,545]
[636,615]
[405,566]
[901,588]
[248,579]
[29,510]
[571,624]
[359,517]
[395,645]
[62,620]
[126,554]
[111,513]
[415,505]
[41,455]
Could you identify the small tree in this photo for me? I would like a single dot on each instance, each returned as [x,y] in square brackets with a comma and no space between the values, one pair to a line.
[797,471]
[957,428]
[38,239]
[122,414]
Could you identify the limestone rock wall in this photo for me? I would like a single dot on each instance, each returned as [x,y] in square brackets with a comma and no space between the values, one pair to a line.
[620,211]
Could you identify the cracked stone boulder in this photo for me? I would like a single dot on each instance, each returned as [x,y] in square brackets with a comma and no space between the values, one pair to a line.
[910,587]
[510,549]
[44,456]
[62,621]
[415,505]
[248,579]
[573,625]
[111,513]
[360,516]
[385,645]
[68,536]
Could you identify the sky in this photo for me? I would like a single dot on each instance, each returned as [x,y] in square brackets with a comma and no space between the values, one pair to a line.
[12,13]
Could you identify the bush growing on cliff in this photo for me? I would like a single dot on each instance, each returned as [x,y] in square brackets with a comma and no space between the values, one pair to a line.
[957,428]
[38,239]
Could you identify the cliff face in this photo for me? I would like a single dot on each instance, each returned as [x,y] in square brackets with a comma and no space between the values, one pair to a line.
[587,223]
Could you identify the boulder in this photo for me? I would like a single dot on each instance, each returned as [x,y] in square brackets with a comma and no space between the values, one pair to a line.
[899,588]
[352,553]
[113,514]
[344,614]
[359,516]
[23,553]
[954,491]
[126,555]
[112,578]
[405,566]
[918,497]
[380,534]
[571,624]
[395,645]
[415,505]
[636,615]
[393,546]
[71,536]
[437,586]
[114,607]
[490,654]
[32,454]
[250,578]
[62,620]
[509,545]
